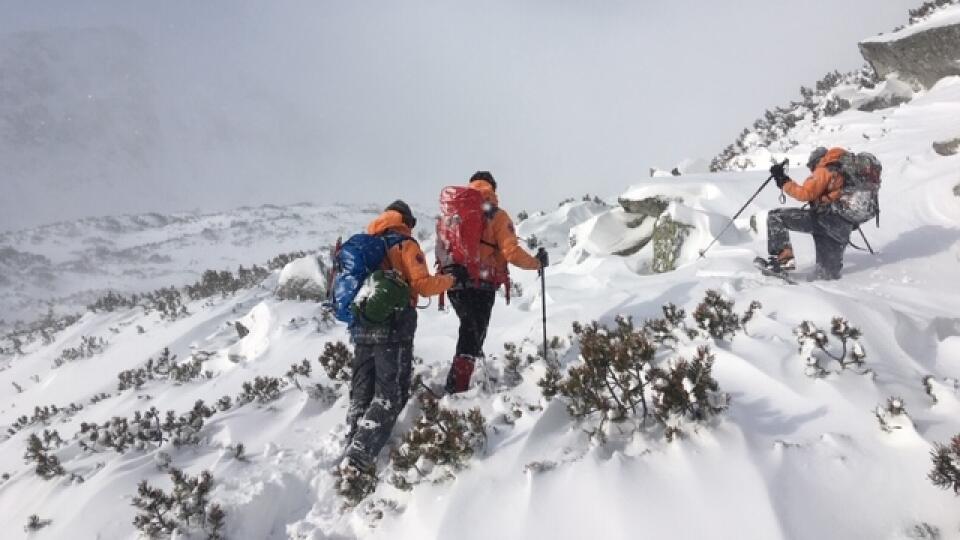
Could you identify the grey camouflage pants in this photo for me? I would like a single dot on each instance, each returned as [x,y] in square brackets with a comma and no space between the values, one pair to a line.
[379,390]
[829,250]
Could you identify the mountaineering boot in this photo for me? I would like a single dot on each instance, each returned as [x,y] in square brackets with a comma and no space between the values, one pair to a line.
[458,379]
[783,262]
[356,479]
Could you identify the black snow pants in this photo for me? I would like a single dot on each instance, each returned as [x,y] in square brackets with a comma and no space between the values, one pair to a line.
[830,236]
[380,387]
[473,307]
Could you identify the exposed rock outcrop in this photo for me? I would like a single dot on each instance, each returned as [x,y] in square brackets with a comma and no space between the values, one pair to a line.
[922,54]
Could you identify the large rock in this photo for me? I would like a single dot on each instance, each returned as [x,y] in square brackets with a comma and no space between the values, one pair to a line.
[923,53]
[649,206]
[947,148]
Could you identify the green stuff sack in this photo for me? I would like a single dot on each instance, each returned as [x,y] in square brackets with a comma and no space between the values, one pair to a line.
[382,295]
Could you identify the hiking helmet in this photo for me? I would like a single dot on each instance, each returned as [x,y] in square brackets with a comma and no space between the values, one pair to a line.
[815,157]
[486,177]
[404,210]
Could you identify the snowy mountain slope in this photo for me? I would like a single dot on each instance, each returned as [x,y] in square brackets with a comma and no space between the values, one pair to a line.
[69,264]
[794,456]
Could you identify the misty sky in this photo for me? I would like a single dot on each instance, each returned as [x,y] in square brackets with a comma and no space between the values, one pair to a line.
[242,102]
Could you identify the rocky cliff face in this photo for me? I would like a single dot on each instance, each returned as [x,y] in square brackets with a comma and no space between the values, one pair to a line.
[922,54]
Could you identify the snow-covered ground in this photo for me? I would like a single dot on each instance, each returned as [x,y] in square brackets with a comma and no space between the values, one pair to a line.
[794,457]
[67,265]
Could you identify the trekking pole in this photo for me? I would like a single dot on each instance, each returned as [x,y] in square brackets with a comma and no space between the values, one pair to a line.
[703,252]
[543,306]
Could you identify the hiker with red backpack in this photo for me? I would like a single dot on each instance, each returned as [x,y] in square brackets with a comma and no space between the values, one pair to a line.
[842,193]
[476,240]
[380,276]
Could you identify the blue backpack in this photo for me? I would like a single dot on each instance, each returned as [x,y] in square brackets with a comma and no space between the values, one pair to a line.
[358,257]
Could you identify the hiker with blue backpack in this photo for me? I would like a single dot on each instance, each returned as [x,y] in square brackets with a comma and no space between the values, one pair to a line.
[379,279]
[842,193]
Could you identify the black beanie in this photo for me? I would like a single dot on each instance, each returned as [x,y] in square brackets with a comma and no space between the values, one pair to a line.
[404,210]
[486,177]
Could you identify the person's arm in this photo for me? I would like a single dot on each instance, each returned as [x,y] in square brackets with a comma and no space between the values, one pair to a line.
[509,244]
[812,189]
[418,274]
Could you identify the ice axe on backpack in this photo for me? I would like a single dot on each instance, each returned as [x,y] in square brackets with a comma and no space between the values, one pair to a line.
[785,164]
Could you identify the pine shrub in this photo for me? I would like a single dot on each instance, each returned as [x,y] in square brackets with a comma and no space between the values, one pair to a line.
[815,346]
[440,443]
[337,361]
[185,509]
[261,390]
[621,378]
[35,523]
[39,453]
[946,465]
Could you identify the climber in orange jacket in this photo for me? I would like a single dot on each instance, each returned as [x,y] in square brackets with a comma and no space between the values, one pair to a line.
[473,299]
[831,233]
[383,353]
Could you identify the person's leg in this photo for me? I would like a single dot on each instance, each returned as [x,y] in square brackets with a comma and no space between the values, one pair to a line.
[361,386]
[829,257]
[463,302]
[779,224]
[473,306]
[373,430]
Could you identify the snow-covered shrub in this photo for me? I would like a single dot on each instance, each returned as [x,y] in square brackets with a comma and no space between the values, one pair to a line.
[35,523]
[165,367]
[284,259]
[38,453]
[814,346]
[532,242]
[946,465]
[89,347]
[522,215]
[261,390]
[43,330]
[186,509]
[303,369]
[440,443]
[185,429]
[303,280]
[43,415]
[893,415]
[669,330]
[773,126]
[337,361]
[354,483]
[928,8]
[619,380]
[716,318]
[686,390]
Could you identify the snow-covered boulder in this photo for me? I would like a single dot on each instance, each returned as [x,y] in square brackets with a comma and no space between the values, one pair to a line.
[303,279]
[923,53]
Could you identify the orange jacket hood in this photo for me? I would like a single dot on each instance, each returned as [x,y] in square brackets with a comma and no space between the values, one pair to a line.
[832,156]
[486,189]
[391,220]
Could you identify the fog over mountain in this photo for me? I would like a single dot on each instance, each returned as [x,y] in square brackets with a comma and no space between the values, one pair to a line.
[117,106]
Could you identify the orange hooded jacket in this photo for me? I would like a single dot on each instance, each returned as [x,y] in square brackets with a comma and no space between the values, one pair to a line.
[822,187]
[499,243]
[407,258]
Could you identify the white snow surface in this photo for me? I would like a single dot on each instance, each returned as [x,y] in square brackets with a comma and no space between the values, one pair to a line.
[794,457]
[303,269]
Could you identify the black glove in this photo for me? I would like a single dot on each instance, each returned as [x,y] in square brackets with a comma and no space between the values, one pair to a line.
[543,257]
[459,273]
[779,176]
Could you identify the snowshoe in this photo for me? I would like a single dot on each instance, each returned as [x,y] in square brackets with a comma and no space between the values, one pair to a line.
[773,267]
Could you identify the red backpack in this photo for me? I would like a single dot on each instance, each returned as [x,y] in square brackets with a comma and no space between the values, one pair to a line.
[464,215]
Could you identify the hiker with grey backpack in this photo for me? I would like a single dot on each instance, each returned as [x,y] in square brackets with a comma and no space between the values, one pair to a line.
[841,193]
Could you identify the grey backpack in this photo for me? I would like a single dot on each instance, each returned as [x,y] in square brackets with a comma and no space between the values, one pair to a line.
[859,201]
